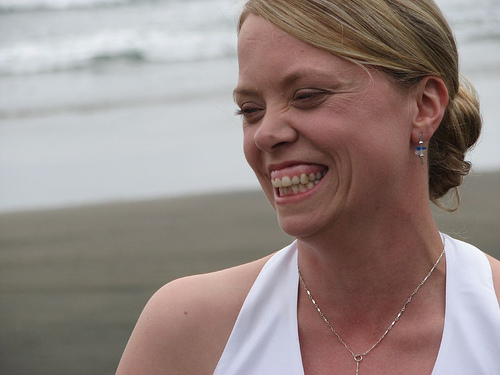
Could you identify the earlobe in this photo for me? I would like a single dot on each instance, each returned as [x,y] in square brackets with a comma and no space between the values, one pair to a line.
[431,96]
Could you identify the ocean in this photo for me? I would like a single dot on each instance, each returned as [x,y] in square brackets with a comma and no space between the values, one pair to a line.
[116,100]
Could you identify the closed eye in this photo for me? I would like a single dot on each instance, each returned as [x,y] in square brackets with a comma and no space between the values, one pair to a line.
[308,98]
[249,111]
[246,111]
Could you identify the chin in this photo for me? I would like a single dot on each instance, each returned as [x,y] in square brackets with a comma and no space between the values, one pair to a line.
[298,227]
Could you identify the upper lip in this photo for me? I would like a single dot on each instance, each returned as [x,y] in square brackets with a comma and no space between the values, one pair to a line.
[287,164]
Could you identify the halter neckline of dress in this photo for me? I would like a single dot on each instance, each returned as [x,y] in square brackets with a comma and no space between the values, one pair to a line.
[265,339]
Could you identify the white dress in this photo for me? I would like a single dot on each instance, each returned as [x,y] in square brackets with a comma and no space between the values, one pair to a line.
[265,339]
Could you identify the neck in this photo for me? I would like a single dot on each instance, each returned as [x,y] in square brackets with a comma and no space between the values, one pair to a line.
[380,264]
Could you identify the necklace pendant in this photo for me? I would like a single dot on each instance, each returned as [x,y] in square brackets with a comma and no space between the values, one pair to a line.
[358,358]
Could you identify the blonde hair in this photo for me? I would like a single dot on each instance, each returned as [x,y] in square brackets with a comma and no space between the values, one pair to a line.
[407,40]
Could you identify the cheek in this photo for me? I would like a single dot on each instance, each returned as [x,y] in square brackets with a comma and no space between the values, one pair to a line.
[250,149]
[253,155]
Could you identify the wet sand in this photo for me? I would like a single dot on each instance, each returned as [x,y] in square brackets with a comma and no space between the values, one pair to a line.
[74,281]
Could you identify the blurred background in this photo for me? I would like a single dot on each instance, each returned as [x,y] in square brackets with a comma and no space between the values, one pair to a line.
[121,165]
[106,100]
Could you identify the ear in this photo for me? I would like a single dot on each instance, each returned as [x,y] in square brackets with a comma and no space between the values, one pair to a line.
[431,99]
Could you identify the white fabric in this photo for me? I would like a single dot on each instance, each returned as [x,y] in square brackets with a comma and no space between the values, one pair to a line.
[265,338]
[265,341]
[471,336]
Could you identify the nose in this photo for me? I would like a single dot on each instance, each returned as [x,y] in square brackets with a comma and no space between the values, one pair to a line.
[273,132]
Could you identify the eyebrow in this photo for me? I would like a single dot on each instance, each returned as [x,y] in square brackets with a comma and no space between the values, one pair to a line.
[312,73]
[243,91]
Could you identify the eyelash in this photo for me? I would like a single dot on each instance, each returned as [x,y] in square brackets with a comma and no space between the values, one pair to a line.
[309,96]
[241,112]
[246,112]
[304,97]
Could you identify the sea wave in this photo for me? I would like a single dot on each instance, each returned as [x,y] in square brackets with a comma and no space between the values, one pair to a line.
[106,47]
[134,31]
[104,32]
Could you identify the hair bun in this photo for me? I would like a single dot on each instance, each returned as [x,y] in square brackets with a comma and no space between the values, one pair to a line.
[458,132]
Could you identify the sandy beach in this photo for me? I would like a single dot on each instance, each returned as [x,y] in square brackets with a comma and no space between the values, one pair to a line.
[74,281]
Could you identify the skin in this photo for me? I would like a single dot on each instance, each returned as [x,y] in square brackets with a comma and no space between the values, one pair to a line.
[362,251]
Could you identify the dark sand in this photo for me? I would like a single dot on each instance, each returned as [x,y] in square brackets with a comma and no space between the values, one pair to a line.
[74,281]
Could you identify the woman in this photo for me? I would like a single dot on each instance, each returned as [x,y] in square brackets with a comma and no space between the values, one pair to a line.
[353,118]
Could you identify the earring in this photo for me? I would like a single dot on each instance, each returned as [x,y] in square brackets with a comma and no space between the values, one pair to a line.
[420,150]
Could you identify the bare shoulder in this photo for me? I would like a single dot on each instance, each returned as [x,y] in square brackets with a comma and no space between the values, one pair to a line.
[495,268]
[185,325]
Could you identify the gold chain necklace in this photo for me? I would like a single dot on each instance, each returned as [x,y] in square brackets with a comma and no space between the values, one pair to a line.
[358,357]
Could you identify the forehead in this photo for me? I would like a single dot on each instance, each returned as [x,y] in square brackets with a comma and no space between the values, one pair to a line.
[258,35]
[265,51]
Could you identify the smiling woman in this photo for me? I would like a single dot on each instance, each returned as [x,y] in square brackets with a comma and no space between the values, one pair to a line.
[354,117]
[333,118]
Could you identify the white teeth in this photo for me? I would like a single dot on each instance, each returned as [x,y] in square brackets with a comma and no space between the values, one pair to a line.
[304,179]
[284,190]
[277,183]
[286,181]
[287,185]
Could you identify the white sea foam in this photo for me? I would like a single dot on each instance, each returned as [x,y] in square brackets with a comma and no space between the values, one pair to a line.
[142,32]
[106,47]
[163,31]
[37,5]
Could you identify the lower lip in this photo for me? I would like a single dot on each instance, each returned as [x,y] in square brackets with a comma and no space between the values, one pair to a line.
[294,198]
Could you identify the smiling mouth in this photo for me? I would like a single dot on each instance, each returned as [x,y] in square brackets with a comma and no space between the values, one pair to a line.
[297,183]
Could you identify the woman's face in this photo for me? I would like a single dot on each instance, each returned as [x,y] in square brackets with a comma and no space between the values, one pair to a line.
[328,140]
